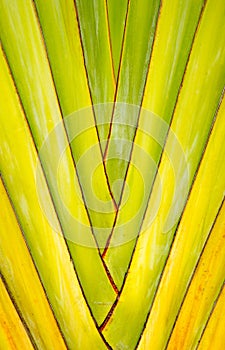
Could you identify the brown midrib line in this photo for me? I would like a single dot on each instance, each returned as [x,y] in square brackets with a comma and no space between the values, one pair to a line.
[135,133]
[109,315]
[93,110]
[175,105]
[110,278]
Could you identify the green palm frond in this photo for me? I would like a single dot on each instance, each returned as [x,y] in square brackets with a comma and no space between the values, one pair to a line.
[112,174]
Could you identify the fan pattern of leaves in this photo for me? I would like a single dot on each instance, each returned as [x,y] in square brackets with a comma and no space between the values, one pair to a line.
[112,160]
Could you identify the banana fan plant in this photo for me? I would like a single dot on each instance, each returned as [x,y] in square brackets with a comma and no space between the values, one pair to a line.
[112,161]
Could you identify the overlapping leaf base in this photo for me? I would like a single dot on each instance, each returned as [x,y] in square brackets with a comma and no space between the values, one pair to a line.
[112,161]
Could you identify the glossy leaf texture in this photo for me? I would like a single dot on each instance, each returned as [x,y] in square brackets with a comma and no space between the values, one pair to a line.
[112,174]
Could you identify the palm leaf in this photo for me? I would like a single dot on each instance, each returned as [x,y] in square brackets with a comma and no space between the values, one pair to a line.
[112,180]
